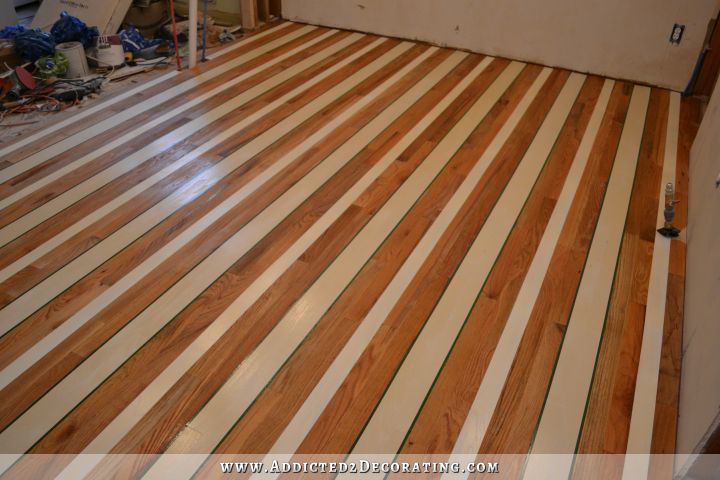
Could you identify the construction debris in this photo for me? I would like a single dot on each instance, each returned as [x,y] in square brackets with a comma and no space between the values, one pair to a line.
[47,68]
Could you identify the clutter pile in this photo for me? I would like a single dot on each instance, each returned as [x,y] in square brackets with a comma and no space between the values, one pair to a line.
[51,66]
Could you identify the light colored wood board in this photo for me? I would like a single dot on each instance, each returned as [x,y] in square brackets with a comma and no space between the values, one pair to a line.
[249,14]
[175,299]
[452,420]
[356,309]
[118,265]
[39,213]
[515,417]
[38,158]
[606,424]
[561,417]
[48,134]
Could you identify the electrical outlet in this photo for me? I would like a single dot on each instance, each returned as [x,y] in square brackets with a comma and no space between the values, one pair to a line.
[677,34]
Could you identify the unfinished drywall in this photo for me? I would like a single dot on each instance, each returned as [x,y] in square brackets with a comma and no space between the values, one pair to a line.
[618,38]
[700,390]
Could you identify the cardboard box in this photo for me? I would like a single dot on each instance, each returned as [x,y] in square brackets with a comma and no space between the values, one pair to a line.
[107,15]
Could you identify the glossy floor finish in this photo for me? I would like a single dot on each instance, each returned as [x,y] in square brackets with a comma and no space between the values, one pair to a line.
[329,242]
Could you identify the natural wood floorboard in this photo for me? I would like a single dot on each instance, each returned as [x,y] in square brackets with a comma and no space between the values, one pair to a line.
[134,300]
[382,356]
[516,415]
[668,395]
[123,263]
[439,422]
[107,112]
[256,269]
[176,338]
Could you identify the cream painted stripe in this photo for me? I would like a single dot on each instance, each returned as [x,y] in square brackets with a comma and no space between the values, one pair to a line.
[643,413]
[194,82]
[117,202]
[124,96]
[207,429]
[44,346]
[46,290]
[486,399]
[395,413]
[134,413]
[47,411]
[312,408]
[562,415]
[157,147]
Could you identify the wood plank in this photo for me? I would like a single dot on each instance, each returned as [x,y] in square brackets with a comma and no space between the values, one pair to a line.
[32,331]
[562,415]
[261,426]
[264,10]
[606,425]
[306,268]
[107,106]
[668,393]
[514,420]
[339,250]
[299,320]
[119,119]
[337,427]
[267,311]
[452,403]
[391,421]
[290,228]
[92,169]
[141,251]
[249,14]
[90,156]
[175,161]
[180,294]
[287,151]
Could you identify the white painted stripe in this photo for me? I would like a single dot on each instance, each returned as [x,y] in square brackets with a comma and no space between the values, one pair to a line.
[387,428]
[46,290]
[561,419]
[48,410]
[157,147]
[303,421]
[482,409]
[107,124]
[124,96]
[146,184]
[642,420]
[52,340]
[206,430]
[154,392]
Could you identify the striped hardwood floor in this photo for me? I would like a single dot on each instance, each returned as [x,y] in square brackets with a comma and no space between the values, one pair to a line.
[325,242]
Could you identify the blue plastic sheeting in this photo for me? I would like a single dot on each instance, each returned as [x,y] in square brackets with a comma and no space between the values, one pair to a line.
[72,29]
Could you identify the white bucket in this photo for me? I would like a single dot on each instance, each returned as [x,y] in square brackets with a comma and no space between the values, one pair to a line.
[75,54]
[108,51]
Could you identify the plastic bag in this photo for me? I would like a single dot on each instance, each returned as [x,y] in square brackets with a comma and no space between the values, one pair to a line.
[72,29]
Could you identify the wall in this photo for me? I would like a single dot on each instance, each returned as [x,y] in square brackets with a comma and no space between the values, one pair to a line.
[7,13]
[625,39]
[700,389]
